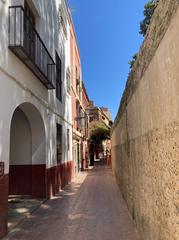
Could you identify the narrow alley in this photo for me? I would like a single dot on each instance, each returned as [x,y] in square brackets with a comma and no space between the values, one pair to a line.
[89,120]
[90,208]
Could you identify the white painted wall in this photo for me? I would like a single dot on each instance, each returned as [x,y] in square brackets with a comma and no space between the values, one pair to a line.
[19,85]
[21,140]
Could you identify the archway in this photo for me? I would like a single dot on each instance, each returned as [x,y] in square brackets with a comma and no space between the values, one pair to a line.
[27,165]
[20,169]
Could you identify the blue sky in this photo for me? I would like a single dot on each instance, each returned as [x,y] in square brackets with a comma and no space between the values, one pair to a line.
[108,36]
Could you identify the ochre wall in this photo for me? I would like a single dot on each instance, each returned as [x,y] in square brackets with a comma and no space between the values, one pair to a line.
[145,136]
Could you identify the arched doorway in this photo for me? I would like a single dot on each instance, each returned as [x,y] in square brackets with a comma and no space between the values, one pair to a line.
[20,170]
[27,165]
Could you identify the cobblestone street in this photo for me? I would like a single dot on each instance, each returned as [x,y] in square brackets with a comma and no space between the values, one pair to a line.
[91,208]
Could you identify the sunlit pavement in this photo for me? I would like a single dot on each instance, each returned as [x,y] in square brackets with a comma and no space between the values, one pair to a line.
[91,208]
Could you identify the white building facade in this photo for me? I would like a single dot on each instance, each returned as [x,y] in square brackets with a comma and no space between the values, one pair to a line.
[35,101]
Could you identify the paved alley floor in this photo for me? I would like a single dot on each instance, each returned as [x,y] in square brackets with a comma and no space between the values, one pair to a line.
[92,208]
[21,207]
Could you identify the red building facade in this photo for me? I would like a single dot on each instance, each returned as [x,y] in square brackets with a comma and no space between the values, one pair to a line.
[80,101]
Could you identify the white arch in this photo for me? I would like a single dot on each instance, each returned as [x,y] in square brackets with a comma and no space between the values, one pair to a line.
[27,163]
[20,139]
[37,131]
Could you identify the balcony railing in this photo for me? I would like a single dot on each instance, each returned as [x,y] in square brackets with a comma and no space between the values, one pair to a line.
[26,43]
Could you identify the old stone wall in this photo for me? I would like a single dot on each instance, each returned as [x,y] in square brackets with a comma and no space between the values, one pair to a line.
[145,135]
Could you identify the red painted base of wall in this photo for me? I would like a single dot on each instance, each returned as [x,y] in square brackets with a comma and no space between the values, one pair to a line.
[34,180]
[58,177]
[37,181]
[3,205]
[20,180]
[27,180]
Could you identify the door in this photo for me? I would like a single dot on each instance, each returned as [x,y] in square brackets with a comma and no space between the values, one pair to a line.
[29,31]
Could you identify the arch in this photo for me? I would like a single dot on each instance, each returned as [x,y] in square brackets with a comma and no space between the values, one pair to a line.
[38,132]
[27,168]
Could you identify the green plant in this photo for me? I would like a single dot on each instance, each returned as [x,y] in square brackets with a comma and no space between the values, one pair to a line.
[131,62]
[149,9]
[99,132]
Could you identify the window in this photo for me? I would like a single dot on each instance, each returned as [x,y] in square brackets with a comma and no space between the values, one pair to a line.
[77,82]
[68,139]
[91,119]
[78,87]
[81,118]
[76,72]
[29,32]
[29,12]
[59,143]
[58,77]
[77,114]
[68,83]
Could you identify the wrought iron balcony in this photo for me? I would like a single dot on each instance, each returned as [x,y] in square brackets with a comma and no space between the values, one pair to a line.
[27,45]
